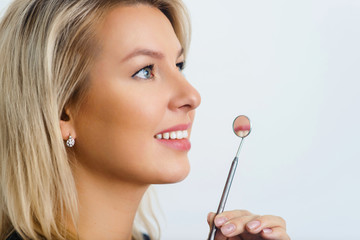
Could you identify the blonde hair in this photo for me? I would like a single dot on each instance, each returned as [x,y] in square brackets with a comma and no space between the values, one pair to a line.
[46,49]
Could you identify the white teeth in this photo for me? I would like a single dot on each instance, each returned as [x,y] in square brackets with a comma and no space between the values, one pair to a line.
[166,135]
[173,135]
[242,133]
[179,135]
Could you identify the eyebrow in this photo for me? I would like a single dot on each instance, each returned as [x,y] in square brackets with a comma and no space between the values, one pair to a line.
[150,53]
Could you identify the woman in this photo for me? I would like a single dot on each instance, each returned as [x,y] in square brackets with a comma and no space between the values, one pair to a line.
[94,109]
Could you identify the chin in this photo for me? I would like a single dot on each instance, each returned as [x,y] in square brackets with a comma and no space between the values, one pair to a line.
[175,173]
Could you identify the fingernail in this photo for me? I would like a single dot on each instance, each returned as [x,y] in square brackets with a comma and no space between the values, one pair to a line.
[267,230]
[253,224]
[220,221]
[228,228]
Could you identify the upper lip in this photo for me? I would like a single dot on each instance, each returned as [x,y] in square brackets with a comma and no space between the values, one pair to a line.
[180,127]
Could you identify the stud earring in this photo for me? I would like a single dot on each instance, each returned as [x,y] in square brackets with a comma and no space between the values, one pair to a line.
[70,142]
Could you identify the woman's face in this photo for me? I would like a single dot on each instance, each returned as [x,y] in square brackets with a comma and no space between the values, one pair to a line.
[137,93]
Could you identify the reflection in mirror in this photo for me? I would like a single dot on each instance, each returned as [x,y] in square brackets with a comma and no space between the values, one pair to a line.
[241,126]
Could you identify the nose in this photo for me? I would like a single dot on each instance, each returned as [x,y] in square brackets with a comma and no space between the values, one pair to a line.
[185,97]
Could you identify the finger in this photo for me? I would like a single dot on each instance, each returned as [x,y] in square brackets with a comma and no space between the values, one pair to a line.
[226,216]
[266,221]
[220,236]
[210,218]
[236,226]
[276,233]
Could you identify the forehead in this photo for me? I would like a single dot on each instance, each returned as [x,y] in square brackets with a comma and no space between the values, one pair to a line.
[136,26]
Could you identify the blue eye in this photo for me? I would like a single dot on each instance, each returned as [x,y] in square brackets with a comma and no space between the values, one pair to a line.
[181,66]
[145,73]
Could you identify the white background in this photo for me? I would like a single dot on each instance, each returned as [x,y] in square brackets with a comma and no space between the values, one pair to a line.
[294,68]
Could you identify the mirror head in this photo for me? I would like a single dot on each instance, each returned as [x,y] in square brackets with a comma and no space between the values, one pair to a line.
[242,126]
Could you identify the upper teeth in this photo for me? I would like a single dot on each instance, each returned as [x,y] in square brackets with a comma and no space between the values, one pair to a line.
[173,135]
[242,133]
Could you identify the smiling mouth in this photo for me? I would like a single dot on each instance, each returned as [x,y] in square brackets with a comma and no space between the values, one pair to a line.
[242,130]
[173,135]
[176,137]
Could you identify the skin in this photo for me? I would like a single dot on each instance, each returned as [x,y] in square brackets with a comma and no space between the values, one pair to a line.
[243,225]
[116,154]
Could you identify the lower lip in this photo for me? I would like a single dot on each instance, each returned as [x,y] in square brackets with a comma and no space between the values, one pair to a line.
[177,144]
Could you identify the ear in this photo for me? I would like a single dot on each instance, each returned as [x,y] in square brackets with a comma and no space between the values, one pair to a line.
[67,125]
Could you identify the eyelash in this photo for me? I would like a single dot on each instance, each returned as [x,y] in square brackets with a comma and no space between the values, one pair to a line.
[180,65]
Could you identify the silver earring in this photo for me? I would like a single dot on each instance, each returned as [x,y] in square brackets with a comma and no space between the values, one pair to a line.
[70,142]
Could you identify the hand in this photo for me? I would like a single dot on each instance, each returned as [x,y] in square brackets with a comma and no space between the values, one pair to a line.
[243,225]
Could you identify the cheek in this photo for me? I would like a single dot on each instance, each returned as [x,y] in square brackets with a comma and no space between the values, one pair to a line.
[115,138]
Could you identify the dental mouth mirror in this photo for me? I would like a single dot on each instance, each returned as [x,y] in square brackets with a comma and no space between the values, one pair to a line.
[242,129]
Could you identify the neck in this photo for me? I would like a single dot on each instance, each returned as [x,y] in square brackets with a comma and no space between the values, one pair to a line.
[106,208]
